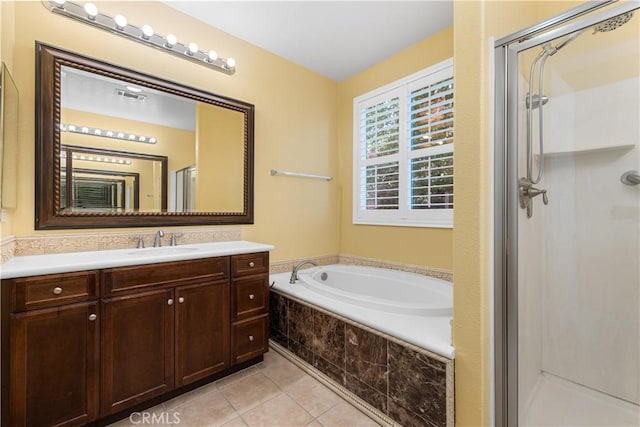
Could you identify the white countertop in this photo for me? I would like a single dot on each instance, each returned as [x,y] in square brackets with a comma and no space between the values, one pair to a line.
[35,265]
[429,332]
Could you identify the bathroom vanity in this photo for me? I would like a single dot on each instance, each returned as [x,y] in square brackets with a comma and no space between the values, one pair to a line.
[128,331]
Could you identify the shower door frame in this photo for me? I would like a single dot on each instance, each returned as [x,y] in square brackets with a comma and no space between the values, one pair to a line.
[506,204]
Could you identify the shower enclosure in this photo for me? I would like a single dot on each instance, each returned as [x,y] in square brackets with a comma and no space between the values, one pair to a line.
[567,229]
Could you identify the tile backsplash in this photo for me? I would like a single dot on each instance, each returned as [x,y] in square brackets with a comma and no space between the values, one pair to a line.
[43,244]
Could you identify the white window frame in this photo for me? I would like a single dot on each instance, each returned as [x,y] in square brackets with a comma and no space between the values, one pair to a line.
[404,215]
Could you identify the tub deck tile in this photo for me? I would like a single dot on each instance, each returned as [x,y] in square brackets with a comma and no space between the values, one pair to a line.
[328,338]
[367,393]
[366,357]
[418,383]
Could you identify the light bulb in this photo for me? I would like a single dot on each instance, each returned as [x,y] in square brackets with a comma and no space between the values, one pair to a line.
[63,127]
[59,3]
[171,40]
[231,62]
[85,130]
[147,31]
[120,21]
[213,55]
[132,137]
[142,139]
[97,132]
[71,128]
[92,10]
[152,140]
[109,134]
[120,135]
[193,48]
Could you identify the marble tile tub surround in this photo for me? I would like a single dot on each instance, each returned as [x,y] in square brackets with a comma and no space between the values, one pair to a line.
[45,244]
[287,265]
[410,385]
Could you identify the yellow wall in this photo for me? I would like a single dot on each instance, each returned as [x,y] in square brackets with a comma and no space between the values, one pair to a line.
[295,116]
[410,245]
[220,159]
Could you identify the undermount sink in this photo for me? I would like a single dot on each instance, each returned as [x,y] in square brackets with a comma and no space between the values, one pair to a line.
[170,250]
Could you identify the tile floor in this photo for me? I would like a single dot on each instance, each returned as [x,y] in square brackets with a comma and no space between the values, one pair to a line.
[275,393]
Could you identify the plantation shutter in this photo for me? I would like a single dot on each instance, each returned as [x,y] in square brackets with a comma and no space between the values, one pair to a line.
[403,151]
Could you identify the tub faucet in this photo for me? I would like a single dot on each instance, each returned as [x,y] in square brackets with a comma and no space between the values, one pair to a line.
[294,272]
[157,242]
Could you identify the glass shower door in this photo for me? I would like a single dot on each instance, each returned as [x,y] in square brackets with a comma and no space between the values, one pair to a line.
[578,225]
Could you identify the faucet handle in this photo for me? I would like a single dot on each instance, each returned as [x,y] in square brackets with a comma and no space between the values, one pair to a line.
[174,237]
[140,241]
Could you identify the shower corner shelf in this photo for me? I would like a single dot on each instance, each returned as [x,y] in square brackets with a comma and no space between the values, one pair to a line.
[591,150]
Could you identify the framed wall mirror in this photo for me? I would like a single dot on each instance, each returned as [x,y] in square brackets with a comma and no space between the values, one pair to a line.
[103,129]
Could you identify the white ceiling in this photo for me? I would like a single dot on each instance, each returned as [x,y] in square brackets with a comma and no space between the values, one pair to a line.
[334,38]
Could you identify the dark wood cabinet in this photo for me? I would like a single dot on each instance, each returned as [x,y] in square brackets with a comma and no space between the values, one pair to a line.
[249,306]
[85,346]
[54,355]
[202,331]
[137,349]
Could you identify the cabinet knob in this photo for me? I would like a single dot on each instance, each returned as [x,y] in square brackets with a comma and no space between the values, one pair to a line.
[252,264]
[170,301]
[250,337]
[181,300]
[92,316]
[57,290]
[251,296]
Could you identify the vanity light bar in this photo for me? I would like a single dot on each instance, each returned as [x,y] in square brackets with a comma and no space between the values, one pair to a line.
[86,130]
[91,158]
[118,24]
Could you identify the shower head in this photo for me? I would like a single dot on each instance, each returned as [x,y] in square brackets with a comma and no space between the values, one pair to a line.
[612,23]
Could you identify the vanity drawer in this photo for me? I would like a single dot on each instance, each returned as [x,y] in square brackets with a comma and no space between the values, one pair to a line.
[250,338]
[250,297]
[53,289]
[121,280]
[244,265]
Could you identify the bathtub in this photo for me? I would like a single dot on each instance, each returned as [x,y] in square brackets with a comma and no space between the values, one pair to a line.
[410,307]
[380,289]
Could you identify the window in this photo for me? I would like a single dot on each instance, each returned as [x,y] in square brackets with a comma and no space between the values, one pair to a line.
[403,151]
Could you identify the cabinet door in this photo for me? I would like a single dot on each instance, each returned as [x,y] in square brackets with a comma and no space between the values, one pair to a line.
[202,331]
[138,349]
[54,366]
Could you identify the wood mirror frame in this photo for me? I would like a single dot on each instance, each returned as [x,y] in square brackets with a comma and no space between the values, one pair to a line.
[49,215]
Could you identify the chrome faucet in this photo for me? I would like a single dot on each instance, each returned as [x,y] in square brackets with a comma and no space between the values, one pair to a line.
[294,272]
[157,242]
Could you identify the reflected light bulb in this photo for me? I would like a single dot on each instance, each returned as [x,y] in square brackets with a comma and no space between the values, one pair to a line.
[213,55]
[231,62]
[193,48]
[71,128]
[120,21]
[92,10]
[59,3]
[152,140]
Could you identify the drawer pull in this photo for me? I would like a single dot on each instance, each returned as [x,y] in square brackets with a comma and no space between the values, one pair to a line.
[57,290]
[92,317]
[252,264]
[181,300]
[251,296]
[170,301]
[250,337]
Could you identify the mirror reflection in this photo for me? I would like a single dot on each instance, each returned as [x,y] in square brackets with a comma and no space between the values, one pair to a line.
[112,181]
[197,139]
